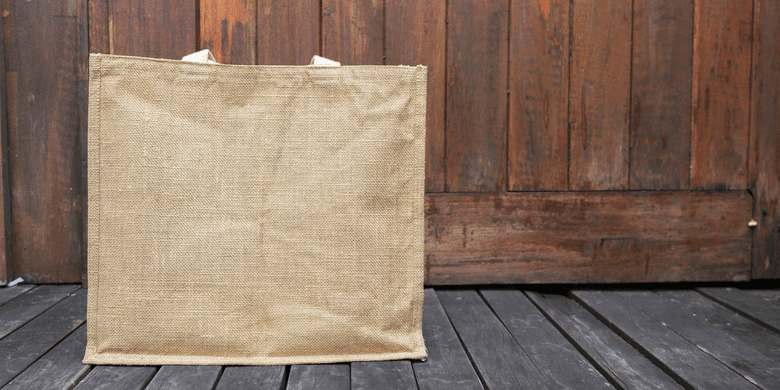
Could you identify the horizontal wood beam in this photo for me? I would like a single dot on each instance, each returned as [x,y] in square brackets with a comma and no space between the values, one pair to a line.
[587,237]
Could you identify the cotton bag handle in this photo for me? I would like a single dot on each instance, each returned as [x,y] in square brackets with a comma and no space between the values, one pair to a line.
[205,56]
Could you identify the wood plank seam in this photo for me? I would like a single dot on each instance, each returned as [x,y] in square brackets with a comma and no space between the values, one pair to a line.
[468,353]
[738,310]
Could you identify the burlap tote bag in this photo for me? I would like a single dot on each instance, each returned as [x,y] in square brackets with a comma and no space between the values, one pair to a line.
[254,214]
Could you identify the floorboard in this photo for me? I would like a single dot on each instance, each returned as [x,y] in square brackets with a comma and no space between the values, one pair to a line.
[254,378]
[389,375]
[762,306]
[59,368]
[9,293]
[25,345]
[692,365]
[500,360]
[117,378]
[447,365]
[185,378]
[560,362]
[627,367]
[319,377]
[29,305]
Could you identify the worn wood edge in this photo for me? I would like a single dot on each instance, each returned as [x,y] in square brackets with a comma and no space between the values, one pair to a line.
[454,263]
[6,265]
[713,294]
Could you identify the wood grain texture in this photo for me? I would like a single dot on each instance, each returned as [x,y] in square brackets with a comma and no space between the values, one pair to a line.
[586,237]
[42,59]
[82,66]
[228,28]
[556,358]
[254,378]
[761,306]
[600,94]
[616,359]
[319,377]
[6,266]
[7,294]
[353,31]
[661,95]
[499,359]
[476,96]
[59,368]
[390,375]
[185,378]
[690,365]
[152,28]
[721,93]
[24,346]
[415,33]
[288,32]
[98,26]
[24,308]
[538,96]
[447,365]
[764,153]
[117,378]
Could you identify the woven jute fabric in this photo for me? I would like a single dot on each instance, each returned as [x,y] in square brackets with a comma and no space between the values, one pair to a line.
[254,214]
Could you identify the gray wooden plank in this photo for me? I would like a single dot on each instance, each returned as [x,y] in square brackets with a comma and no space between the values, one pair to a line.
[762,306]
[117,378]
[558,360]
[447,366]
[27,306]
[185,378]
[626,366]
[692,365]
[390,375]
[25,345]
[696,318]
[319,377]
[59,368]
[500,360]
[249,377]
[9,293]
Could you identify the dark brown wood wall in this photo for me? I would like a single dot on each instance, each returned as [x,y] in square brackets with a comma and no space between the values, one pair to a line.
[567,140]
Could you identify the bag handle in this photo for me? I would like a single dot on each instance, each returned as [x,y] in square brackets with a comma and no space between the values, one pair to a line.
[205,56]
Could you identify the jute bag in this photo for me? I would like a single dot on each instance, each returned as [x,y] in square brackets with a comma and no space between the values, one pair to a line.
[254,214]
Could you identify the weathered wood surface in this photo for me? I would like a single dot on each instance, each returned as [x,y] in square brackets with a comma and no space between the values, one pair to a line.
[476,122]
[562,365]
[721,87]
[117,378]
[537,142]
[288,32]
[600,95]
[228,28]
[661,95]
[653,338]
[319,377]
[9,293]
[761,306]
[25,345]
[41,58]
[415,33]
[352,31]
[764,169]
[625,367]
[390,375]
[447,365]
[185,378]
[254,378]
[500,360]
[24,308]
[59,368]
[152,28]
[5,215]
[587,237]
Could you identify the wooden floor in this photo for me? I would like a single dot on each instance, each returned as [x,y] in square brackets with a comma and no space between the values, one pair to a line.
[708,338]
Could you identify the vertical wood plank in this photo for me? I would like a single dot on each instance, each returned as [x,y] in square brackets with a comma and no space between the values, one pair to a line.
[476,95]
[42,59]
[661,95]
[152,28]
[721,87]
[765,140]
[6,271]
[288,32]
[98,26]
[538,96]
[353,31]
[415,34]
[600,93]
[83,103]
[228,28]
